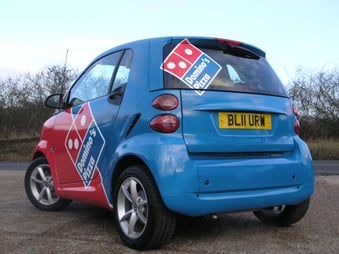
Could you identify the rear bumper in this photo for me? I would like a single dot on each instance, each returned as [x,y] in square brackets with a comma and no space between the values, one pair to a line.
[226,185]
[209,203]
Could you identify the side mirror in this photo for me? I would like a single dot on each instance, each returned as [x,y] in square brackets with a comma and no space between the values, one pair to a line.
[54,101]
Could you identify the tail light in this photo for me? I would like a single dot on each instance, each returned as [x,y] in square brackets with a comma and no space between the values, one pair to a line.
[165,102]
[297,126]
[295,109]
[296,122]
[165,123]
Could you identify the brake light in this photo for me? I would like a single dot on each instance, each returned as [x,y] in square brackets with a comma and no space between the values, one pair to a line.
[229,42]
[165,102]
[297,126]
[165,123]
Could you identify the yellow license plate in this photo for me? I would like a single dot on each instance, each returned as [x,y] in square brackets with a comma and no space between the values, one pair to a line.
[237,120]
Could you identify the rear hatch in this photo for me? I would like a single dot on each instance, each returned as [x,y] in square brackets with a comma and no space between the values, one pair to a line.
[233,104]
[236,124]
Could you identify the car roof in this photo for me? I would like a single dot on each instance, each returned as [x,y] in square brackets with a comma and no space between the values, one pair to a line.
[176,39]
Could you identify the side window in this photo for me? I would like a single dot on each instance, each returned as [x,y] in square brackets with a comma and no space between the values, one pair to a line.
[96,81]
[123,72]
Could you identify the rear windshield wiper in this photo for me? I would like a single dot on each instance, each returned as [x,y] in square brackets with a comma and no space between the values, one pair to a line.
[240,52]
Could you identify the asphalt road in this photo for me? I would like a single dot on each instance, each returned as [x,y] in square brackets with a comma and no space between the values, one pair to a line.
[321,167]
[330,167]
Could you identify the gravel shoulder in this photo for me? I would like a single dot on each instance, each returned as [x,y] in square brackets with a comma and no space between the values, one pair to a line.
[82,228]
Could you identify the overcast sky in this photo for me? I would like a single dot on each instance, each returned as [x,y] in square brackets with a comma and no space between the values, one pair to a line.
[37,33]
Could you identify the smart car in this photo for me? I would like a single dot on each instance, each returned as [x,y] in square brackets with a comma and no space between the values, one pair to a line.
[171,126]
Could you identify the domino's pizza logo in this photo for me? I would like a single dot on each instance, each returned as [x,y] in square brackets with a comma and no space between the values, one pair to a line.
[192,66]
[84,143]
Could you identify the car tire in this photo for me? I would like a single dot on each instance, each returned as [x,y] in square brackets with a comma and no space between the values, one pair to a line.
[40,188]
[142,220]
[283,215]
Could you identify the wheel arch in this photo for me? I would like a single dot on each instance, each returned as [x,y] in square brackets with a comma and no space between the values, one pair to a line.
[38,154]
[124,163]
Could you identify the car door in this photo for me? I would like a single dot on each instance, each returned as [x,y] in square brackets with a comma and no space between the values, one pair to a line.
[85,126]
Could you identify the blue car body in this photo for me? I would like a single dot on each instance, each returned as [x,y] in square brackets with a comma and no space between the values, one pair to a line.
[201,168]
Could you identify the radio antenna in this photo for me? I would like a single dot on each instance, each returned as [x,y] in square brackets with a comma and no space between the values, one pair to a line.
[66,58]
[64,75]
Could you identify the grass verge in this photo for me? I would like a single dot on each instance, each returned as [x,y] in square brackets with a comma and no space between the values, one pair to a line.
[324,149]
[17,149]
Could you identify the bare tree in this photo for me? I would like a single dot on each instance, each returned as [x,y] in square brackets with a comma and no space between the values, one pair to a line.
[317,97]
[21,99]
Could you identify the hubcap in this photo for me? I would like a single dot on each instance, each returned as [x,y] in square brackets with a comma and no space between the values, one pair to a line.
[132,207]
[42,187]
[275,210]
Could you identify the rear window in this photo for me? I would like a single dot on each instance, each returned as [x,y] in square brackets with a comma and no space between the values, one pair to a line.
[241,71]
